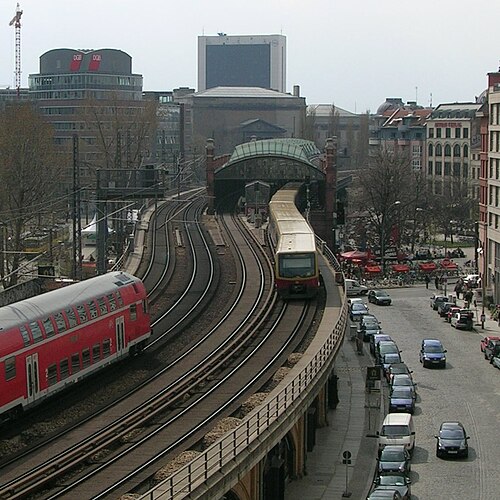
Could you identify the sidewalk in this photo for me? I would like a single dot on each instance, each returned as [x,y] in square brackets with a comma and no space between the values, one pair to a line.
[357,414]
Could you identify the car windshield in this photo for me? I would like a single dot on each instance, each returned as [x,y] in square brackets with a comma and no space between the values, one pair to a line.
[392,358]
[452,434]
[433,348]
[390,480]
[395,430]
[402,381]
[401,392]
[381,294]
[386,348]
[389,455]
[399,369]
[358,307]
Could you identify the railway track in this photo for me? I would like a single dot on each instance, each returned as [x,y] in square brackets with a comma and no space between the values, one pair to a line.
[143,415]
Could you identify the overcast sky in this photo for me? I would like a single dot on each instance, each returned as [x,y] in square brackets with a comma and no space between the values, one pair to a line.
[353,53]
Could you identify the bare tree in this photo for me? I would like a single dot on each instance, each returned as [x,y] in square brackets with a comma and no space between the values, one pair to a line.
[29,174]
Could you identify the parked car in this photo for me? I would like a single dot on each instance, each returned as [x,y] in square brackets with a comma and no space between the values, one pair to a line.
[354,300]
[383,494]
[389,359]
[385,347]
[436,299]
[394,458]
[379,297]
[375,339]
[472,280]
[452,440]
[451,311]
[404,380]
[357,310]
[394,481]
[492,349]
[432,353]
[402,398]
[397,369]
[369,329]
[485,340]
[444,307]
[462,320]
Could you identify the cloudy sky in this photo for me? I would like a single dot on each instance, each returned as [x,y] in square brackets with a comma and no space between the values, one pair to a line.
[353,53]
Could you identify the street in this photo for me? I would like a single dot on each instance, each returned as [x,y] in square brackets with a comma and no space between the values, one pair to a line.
[467,390]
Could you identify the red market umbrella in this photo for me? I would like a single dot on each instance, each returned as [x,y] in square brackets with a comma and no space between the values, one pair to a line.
[448,264]
[354,255]
[373,269]
[427,266]
[401,268]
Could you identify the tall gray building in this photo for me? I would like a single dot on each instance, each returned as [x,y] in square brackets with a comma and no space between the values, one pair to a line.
[242,61]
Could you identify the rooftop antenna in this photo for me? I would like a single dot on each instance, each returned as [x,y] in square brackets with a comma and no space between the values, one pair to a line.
[416,94]
[430,101]
[16,22]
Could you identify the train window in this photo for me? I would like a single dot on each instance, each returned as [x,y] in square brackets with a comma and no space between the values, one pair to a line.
[49,327]
[82,313]
[36,331]
[92,309]
[86,358]
[64,368]
[133,312]
[102,305]
[106,348]
[96,352]
[61,324]
[119,298]
[75,362]
[52,375]
[25,335]
[112,302]
[10,368]
[70,314]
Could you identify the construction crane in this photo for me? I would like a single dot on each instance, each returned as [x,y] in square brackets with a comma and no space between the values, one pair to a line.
[16,22]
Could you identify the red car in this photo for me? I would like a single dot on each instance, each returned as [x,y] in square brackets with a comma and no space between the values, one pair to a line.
[484,342]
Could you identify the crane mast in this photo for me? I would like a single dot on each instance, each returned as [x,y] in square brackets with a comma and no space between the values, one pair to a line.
[16,22]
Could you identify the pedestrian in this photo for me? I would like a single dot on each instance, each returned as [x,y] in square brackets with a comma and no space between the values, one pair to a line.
[436,282]
[468,298]
[458,289]
[427,279]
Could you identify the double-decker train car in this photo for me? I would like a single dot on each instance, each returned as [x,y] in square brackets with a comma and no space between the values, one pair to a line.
[55,339]
[295,256]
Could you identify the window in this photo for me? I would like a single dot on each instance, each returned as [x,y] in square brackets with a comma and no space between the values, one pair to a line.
[119,298]
[112,302]
[102,305]
[64,368]
[466,170]
[431,133]
[10,368]
[25,335]
[457,133]
[447,168]
[439,150]
[93,309]
[438,133]
[36,331]
[431,150]
[52,375]
[429,168]
[70,314]
[456,170]
[448,132]
[456,150]
[133,312]
[466,151]
[86,358]
[106,348]
[439,169]
[61,324]
[75,362]
[96,352]
[82,313]
[466,133]
[447,150]
[49,327]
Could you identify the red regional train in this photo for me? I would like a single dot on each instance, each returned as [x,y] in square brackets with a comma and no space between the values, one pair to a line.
[296,260]
[55,339]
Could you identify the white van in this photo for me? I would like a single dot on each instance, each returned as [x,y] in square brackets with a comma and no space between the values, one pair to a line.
[354,287]
[397,428]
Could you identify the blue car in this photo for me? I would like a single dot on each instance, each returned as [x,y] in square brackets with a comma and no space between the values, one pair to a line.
[432,353]
[402,399]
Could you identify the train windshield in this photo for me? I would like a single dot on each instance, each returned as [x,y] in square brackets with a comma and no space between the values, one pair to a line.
[296,265]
